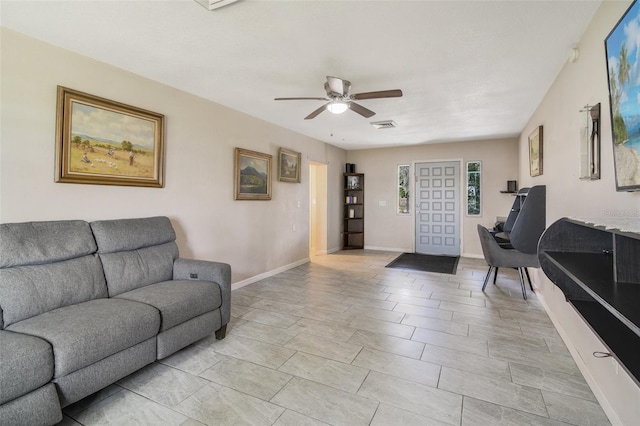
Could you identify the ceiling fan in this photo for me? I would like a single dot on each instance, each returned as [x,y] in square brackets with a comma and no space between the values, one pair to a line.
[340,100]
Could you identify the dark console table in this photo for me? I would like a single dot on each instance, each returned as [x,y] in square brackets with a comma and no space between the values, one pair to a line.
[598,270]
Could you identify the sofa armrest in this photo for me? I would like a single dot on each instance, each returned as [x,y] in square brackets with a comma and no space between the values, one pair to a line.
[203,270]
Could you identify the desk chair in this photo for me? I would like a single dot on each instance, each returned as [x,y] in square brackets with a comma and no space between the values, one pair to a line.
[499,257]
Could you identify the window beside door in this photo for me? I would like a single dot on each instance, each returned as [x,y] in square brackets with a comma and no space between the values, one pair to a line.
[403,189]
[474,175]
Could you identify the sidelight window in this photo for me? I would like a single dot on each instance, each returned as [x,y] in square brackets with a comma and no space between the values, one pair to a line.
[403,189]
[474,170]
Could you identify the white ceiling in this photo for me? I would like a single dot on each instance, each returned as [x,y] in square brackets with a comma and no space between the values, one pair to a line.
[468,69]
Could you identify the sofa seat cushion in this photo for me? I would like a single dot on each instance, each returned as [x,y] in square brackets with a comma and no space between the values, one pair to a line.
[26,363]
[88,332]
[177,300]
[40,407]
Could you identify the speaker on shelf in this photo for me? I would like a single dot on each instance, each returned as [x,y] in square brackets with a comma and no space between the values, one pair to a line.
[512,186]
[350,168]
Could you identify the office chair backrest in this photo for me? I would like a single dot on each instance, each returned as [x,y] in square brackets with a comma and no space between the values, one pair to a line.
[531,221]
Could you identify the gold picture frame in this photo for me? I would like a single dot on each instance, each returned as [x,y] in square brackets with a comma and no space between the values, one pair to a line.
[104,142]
[289,163]
[535,152]
[252,175]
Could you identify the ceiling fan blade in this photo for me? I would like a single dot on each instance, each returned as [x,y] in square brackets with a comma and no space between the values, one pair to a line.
[379,94]
[300,99]
[315,113]
[338,85]
[366,113]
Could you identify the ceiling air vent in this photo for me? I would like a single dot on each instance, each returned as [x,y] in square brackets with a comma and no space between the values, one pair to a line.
[387,124]
[214,4]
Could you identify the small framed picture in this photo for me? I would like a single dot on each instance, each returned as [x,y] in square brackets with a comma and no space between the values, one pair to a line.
[535,152]
[289,166]
[252,175]
[103,142]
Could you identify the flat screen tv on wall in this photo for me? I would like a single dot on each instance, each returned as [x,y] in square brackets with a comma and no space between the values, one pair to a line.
[622,47]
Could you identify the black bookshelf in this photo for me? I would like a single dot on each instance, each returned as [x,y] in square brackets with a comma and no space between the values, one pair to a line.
[353,212]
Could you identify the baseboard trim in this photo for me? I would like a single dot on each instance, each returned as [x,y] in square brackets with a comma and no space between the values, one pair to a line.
[472,255]
[593,384]
[393,249]
[256,278]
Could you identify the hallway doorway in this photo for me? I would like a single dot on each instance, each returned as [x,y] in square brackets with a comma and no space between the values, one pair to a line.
[317,209]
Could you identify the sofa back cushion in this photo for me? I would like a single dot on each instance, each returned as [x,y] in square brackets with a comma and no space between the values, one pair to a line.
[45,266]
[135,252]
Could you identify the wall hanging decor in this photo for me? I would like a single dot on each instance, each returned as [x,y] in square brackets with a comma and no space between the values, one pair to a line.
[535,152]
[623,73]
[289,163]
[590,143]
[252,175]
[103,142]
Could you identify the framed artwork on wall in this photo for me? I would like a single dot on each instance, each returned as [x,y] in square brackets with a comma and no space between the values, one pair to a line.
[252,175]
[535,152]
[103,142]
[289,163]
[623,74]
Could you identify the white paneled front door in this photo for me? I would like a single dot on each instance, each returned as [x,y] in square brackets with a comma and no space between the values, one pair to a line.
[438,208]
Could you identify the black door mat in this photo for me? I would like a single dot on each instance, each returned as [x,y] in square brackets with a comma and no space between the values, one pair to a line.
[426,263]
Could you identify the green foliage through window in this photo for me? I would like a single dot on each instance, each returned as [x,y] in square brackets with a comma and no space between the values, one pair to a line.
[474,170]
[403,189]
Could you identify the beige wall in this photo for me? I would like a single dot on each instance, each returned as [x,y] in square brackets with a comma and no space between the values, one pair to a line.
[580,83]
[385,229]
[255,237]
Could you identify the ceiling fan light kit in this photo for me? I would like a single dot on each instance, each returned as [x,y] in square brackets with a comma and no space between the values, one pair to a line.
[337,107]
[340,100]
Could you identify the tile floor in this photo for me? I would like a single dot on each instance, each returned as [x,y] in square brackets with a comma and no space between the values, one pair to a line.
[344,341]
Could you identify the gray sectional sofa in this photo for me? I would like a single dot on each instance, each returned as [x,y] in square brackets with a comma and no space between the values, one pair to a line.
[83,305]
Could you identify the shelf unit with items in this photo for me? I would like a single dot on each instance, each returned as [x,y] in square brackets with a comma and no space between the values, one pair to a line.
[598,270]
[353,212]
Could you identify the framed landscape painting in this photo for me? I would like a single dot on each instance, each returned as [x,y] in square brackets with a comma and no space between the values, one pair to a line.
[535,152]
[623,72]
[252,175]
[103,142]
[289,165]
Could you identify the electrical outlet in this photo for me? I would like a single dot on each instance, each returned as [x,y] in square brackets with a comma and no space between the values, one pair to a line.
[193,276]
